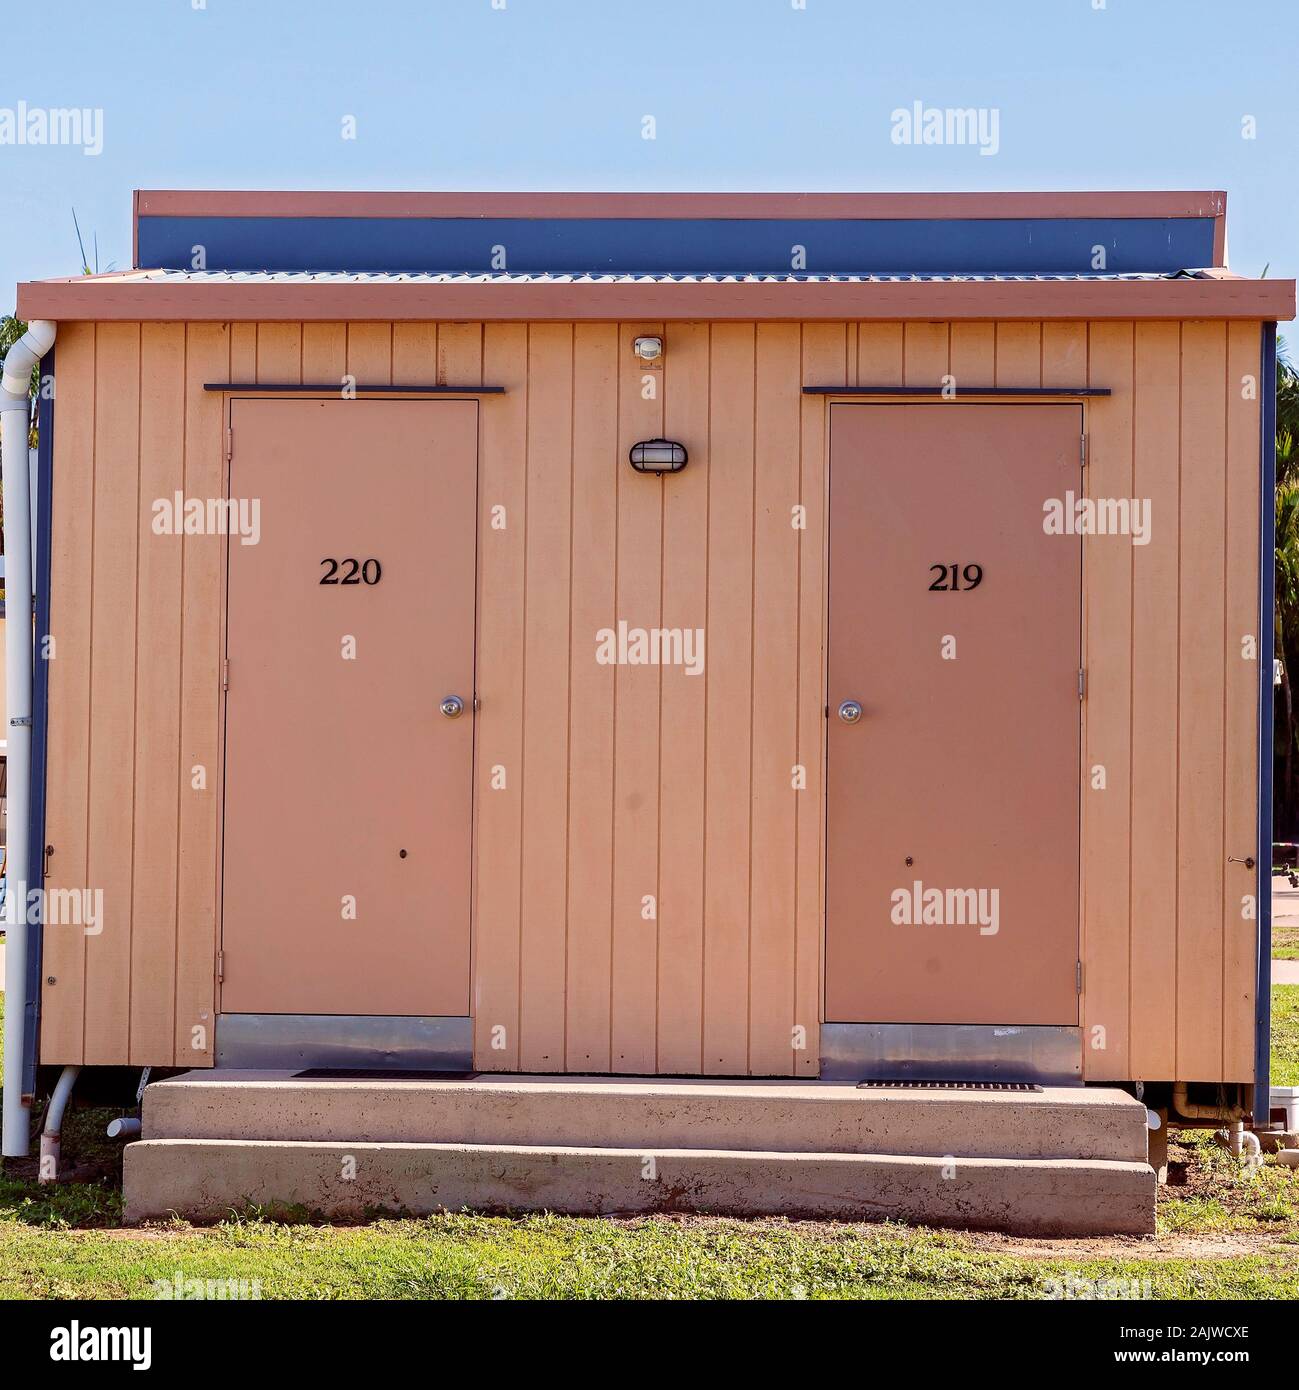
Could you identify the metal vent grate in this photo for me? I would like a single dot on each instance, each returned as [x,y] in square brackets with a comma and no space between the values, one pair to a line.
[359,1074]
[947,1086]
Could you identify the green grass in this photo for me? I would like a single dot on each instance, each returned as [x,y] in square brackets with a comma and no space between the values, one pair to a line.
[91,1156]
[1285,1035]
[64,1240]
[468,1257]
[1285,943]
[1213,1194]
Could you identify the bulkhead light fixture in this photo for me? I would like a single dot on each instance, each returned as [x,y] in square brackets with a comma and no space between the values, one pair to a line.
[658,456]
[648,349]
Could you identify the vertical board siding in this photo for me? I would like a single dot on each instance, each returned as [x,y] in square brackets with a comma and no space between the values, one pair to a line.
[1019,354]
[774,804]
[369,354]
[926,348]
[880,355]
[546,641]
[1153,903]
[592,557]
[648,881]
[111,832]
[279,354]
[729,674]
[324,353]
[157,697]
[209,353]
[415,354]
[683,710]
[1107,714]
[1201,691]
[973,354]
[243,352]
[825,353]
[498,733]
[633,982]
[1246,642]
[72,638]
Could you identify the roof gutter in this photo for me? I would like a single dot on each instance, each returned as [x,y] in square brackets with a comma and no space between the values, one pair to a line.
[15,473]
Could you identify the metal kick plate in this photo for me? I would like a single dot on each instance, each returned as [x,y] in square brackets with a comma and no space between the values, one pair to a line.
[1049,1056]
[295,1042]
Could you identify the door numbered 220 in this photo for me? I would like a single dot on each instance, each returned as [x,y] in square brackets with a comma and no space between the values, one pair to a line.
[362,572]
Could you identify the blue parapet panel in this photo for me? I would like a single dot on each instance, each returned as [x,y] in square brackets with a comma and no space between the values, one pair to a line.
[718,245]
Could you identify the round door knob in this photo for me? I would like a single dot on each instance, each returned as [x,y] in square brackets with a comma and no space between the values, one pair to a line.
[452,706]
[850,711]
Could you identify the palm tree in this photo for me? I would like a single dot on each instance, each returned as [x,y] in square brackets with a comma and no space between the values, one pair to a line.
[1286,613]
[11,329]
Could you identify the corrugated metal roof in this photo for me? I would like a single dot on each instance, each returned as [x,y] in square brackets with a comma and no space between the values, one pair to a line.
[227,296]
[346,277]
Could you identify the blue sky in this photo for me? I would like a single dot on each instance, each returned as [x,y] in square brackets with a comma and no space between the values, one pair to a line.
[550,94]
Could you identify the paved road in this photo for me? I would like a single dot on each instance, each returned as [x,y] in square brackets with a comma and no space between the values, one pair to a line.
[1285,902]
[1285,913]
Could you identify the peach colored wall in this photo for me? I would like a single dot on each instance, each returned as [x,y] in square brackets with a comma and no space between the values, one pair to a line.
[624,783]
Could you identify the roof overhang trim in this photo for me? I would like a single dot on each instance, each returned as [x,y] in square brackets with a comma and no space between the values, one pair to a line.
[831,206]
[131,297]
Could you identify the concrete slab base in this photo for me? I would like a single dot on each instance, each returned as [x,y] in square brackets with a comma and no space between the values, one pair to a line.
[626,1112]
[206,1179]
[1062,1161]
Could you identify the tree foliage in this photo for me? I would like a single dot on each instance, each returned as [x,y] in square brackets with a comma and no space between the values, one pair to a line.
[1286,613]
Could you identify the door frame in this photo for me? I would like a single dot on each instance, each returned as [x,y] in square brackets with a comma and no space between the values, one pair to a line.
[1046,1054]
[346,1042]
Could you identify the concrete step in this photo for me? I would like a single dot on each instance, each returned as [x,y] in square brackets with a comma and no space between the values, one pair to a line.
[207,1178]
[789,1117]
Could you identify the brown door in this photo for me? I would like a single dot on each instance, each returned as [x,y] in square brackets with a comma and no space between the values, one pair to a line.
[952,833]
[346,872]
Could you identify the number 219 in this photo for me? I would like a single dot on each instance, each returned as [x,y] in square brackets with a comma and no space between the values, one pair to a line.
[967,577]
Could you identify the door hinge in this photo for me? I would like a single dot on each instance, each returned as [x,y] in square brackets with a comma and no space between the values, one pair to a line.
[1082,682]
[221,966]
[1077,977]
[230,443]
[1082,450]
[225,674]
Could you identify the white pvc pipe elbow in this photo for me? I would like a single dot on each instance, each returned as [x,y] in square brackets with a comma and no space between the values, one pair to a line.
[52,1131]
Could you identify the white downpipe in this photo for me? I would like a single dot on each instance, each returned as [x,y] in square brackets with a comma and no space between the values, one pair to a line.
[16,475]
[52,1131]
